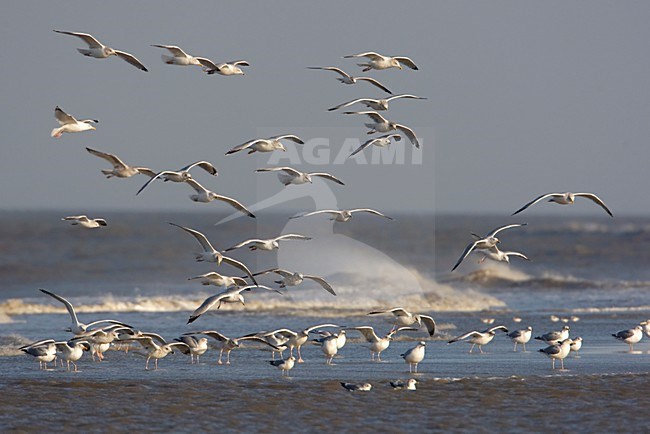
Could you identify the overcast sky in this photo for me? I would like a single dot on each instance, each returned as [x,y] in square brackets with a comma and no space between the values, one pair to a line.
[524,98]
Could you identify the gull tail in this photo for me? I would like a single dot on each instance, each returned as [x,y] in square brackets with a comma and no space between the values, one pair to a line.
[56,132]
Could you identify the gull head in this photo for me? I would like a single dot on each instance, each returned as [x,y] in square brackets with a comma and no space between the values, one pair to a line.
[236,70]
[108,51]
[383,104]
[279,146]
[395,63]
[307,178]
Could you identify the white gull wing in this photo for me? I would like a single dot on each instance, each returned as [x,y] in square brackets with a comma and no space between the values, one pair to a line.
[470,247]
[62,117]
[536,200]
[205,165]
[326,286]
[327,176]
[130,58]
[503,228]
[111,158]
[473,333]
[369,54]
[408,133]
[405,95]
[406,62]
[291,237]
[237,264]
[176,51]
[203,241]
[323,211]
[332,68]
[375,83]
[397,311]
[429,323]
[290,137]
[596,200]
[354,101]
[66,303]
[289,170]
[371,211]
[367,332]
[372,115]
[88,39]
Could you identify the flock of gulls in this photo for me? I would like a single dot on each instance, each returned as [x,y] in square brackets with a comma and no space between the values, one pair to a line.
[98,336]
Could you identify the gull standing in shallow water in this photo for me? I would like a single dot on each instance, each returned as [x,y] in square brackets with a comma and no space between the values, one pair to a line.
[414,356]
[521,337]
[155,350]
[383,125]
[630,337]
[341,215]
[210,254]
[375,104]
[266,145]
[289,175]
[285,365]
[206,196]
[226,68]
[227,344]
[71,351]
[348,79]
[84,221]
[178,57]
[268,244]
[558,351]
[479,338]
[377,344]
[120,169]
[380,142]
[99,51]
[406,318]
[352,387]
[77,327]
[487,242]
[576,345]
[195,347]
[378,61]
[229,296]
[181,175]
[44,351]
[69,124]
[290,278]
[567,198]
[298,339]
[554,337]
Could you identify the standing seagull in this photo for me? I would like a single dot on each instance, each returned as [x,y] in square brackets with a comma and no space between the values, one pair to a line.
[298,339]
[69,124]
[71,351]
[521,337]
[554,337]
[290,175]
[377,344]
[567,198]
[84,221]
[100,51]
[229,296]
[227,344]
[414,356]
[210,254]
[383,125]
[479,338]
[630,337]
[120,169]
[380,142]
[155,350]
[226,68]
[377,61]
[487,242]
[342,215]
[204,195]
[268,244]
[285,365]
[195,347]
[291,278]
[44,351]
[181,175]
[348,79]
[406,318]
[375,104]
[558,351]
[179,57]
[266,145]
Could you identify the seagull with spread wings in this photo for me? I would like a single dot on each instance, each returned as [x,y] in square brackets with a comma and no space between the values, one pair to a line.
[383,125]
[377,344]
[484,243]
[406,318]
[178,56]
[69,124]
[268,244]
[375,104]
[289,175]
[120,168]
[181,175]
[348,79]
[228,296]
[204,195]
[567,198]
[342,215]
[378,61]
[216,279]
[100,51]
[380,142]
[266,145]
[290,278]
[210,254]
[225,68]
[227,344]
[84,221]
[479,338]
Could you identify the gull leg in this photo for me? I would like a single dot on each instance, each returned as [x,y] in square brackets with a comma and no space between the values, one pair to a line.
[156,364]
[524,344]
[515,350]
[146,365]
[228,361]
[471,348]
[300,360]
[553,363]
[379,356]
[480,349]
[219,362]
[75,366]
[562,363]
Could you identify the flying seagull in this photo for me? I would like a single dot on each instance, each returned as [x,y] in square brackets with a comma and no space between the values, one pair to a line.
[205,196]
[69,124]
[100,51]
[567,198]
[120,169]
[381,142]
[84,221]
[348,79]
[178,57]
[383,125]
[377,61]
[342,215]
[406,318]
[487,242]
[290,278]
[375,104]
[289,175]
[226,68]
[268,244]
[181,175]
[266,145]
